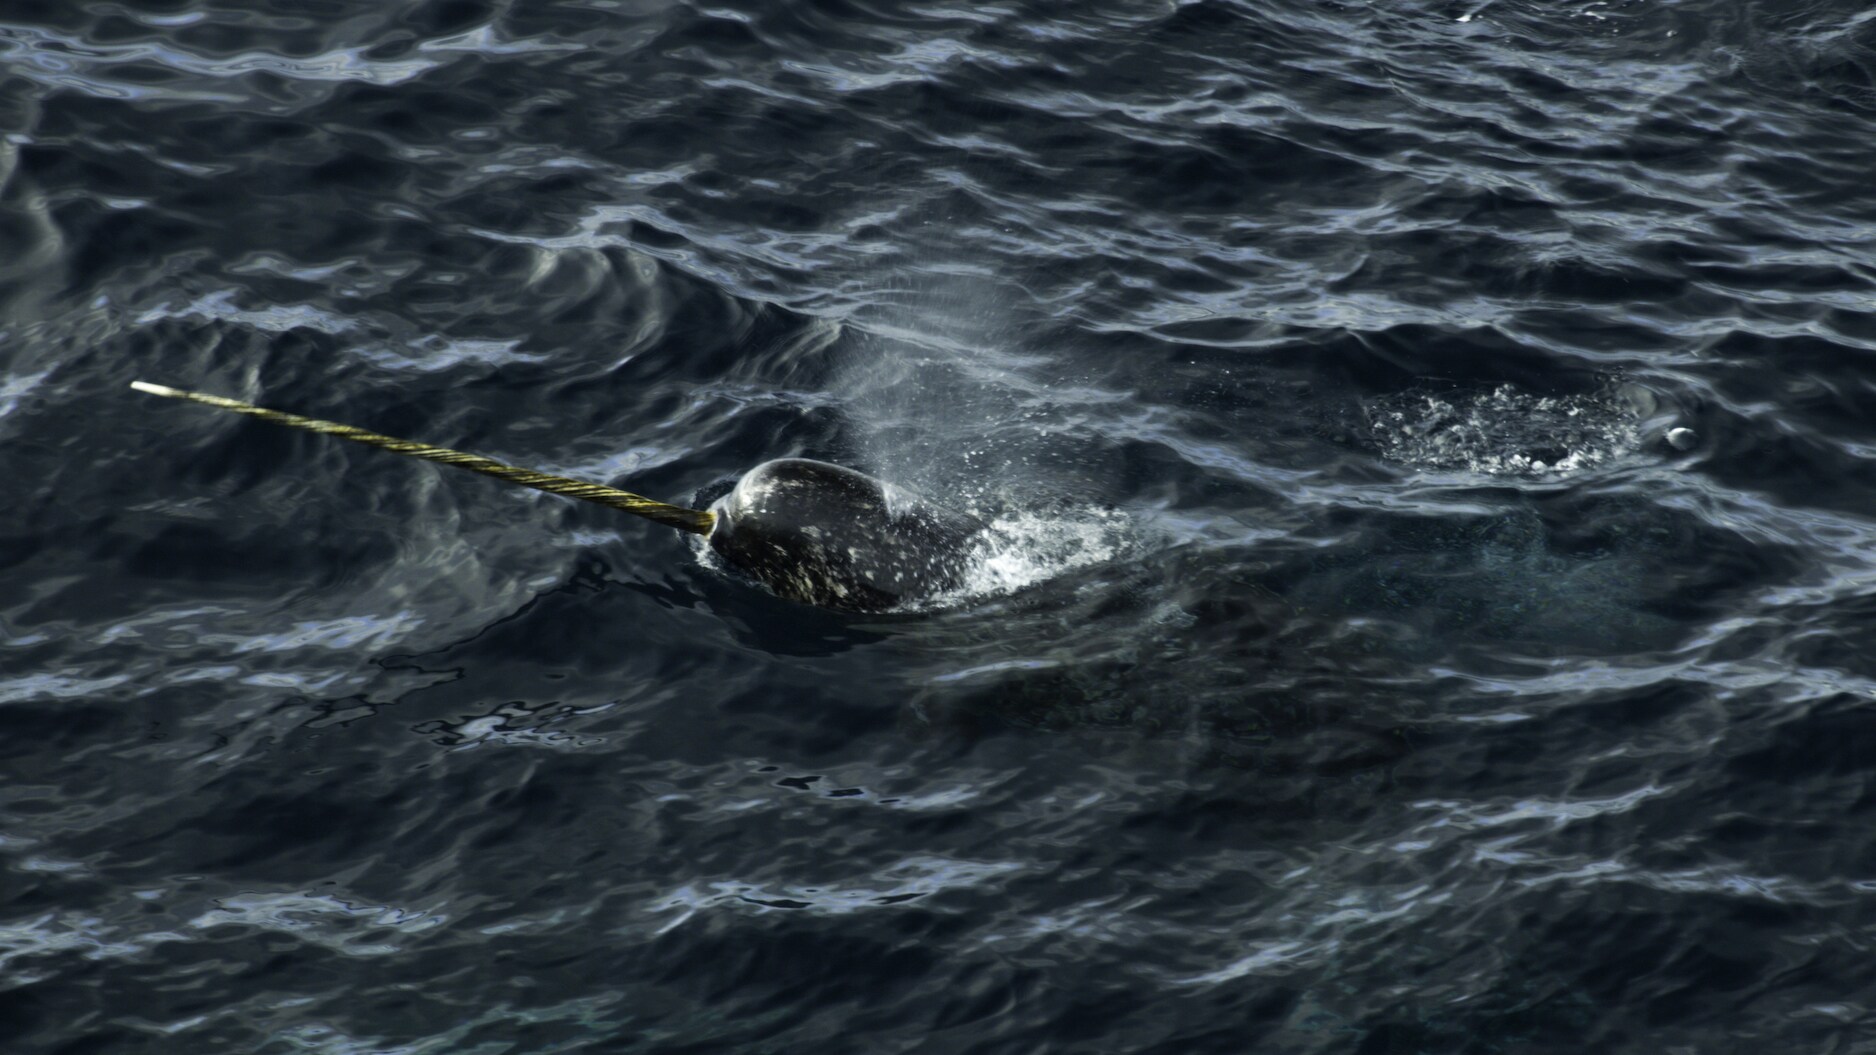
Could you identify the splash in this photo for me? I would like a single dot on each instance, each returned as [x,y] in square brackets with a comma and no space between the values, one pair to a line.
[1023,548]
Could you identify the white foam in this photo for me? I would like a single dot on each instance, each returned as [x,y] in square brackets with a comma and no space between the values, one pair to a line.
[1506,431]
[1023,548]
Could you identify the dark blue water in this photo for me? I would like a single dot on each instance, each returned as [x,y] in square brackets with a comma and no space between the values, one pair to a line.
[1365,662]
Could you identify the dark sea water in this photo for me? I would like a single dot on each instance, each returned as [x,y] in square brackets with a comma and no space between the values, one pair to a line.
[1364,661]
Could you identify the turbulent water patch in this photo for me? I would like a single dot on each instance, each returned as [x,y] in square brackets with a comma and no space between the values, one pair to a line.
[1509,431]
[1023,548]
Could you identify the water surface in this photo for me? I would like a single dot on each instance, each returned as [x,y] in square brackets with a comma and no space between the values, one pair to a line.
[1358,666]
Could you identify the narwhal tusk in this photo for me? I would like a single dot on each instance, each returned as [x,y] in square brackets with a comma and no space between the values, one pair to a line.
[810,531]
[697,521]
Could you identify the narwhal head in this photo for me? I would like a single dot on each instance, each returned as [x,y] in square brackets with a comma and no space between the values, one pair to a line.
[837,538]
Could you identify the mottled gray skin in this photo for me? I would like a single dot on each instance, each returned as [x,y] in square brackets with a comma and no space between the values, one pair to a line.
[840,539]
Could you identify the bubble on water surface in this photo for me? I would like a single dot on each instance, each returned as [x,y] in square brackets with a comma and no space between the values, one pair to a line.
[1509,431]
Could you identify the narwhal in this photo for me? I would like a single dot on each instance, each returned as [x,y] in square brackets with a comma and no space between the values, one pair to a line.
[810,531]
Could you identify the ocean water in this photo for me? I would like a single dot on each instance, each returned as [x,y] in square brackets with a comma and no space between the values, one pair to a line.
[1429,448]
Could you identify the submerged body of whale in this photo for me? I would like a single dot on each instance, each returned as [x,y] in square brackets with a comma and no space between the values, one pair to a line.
[831,536]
